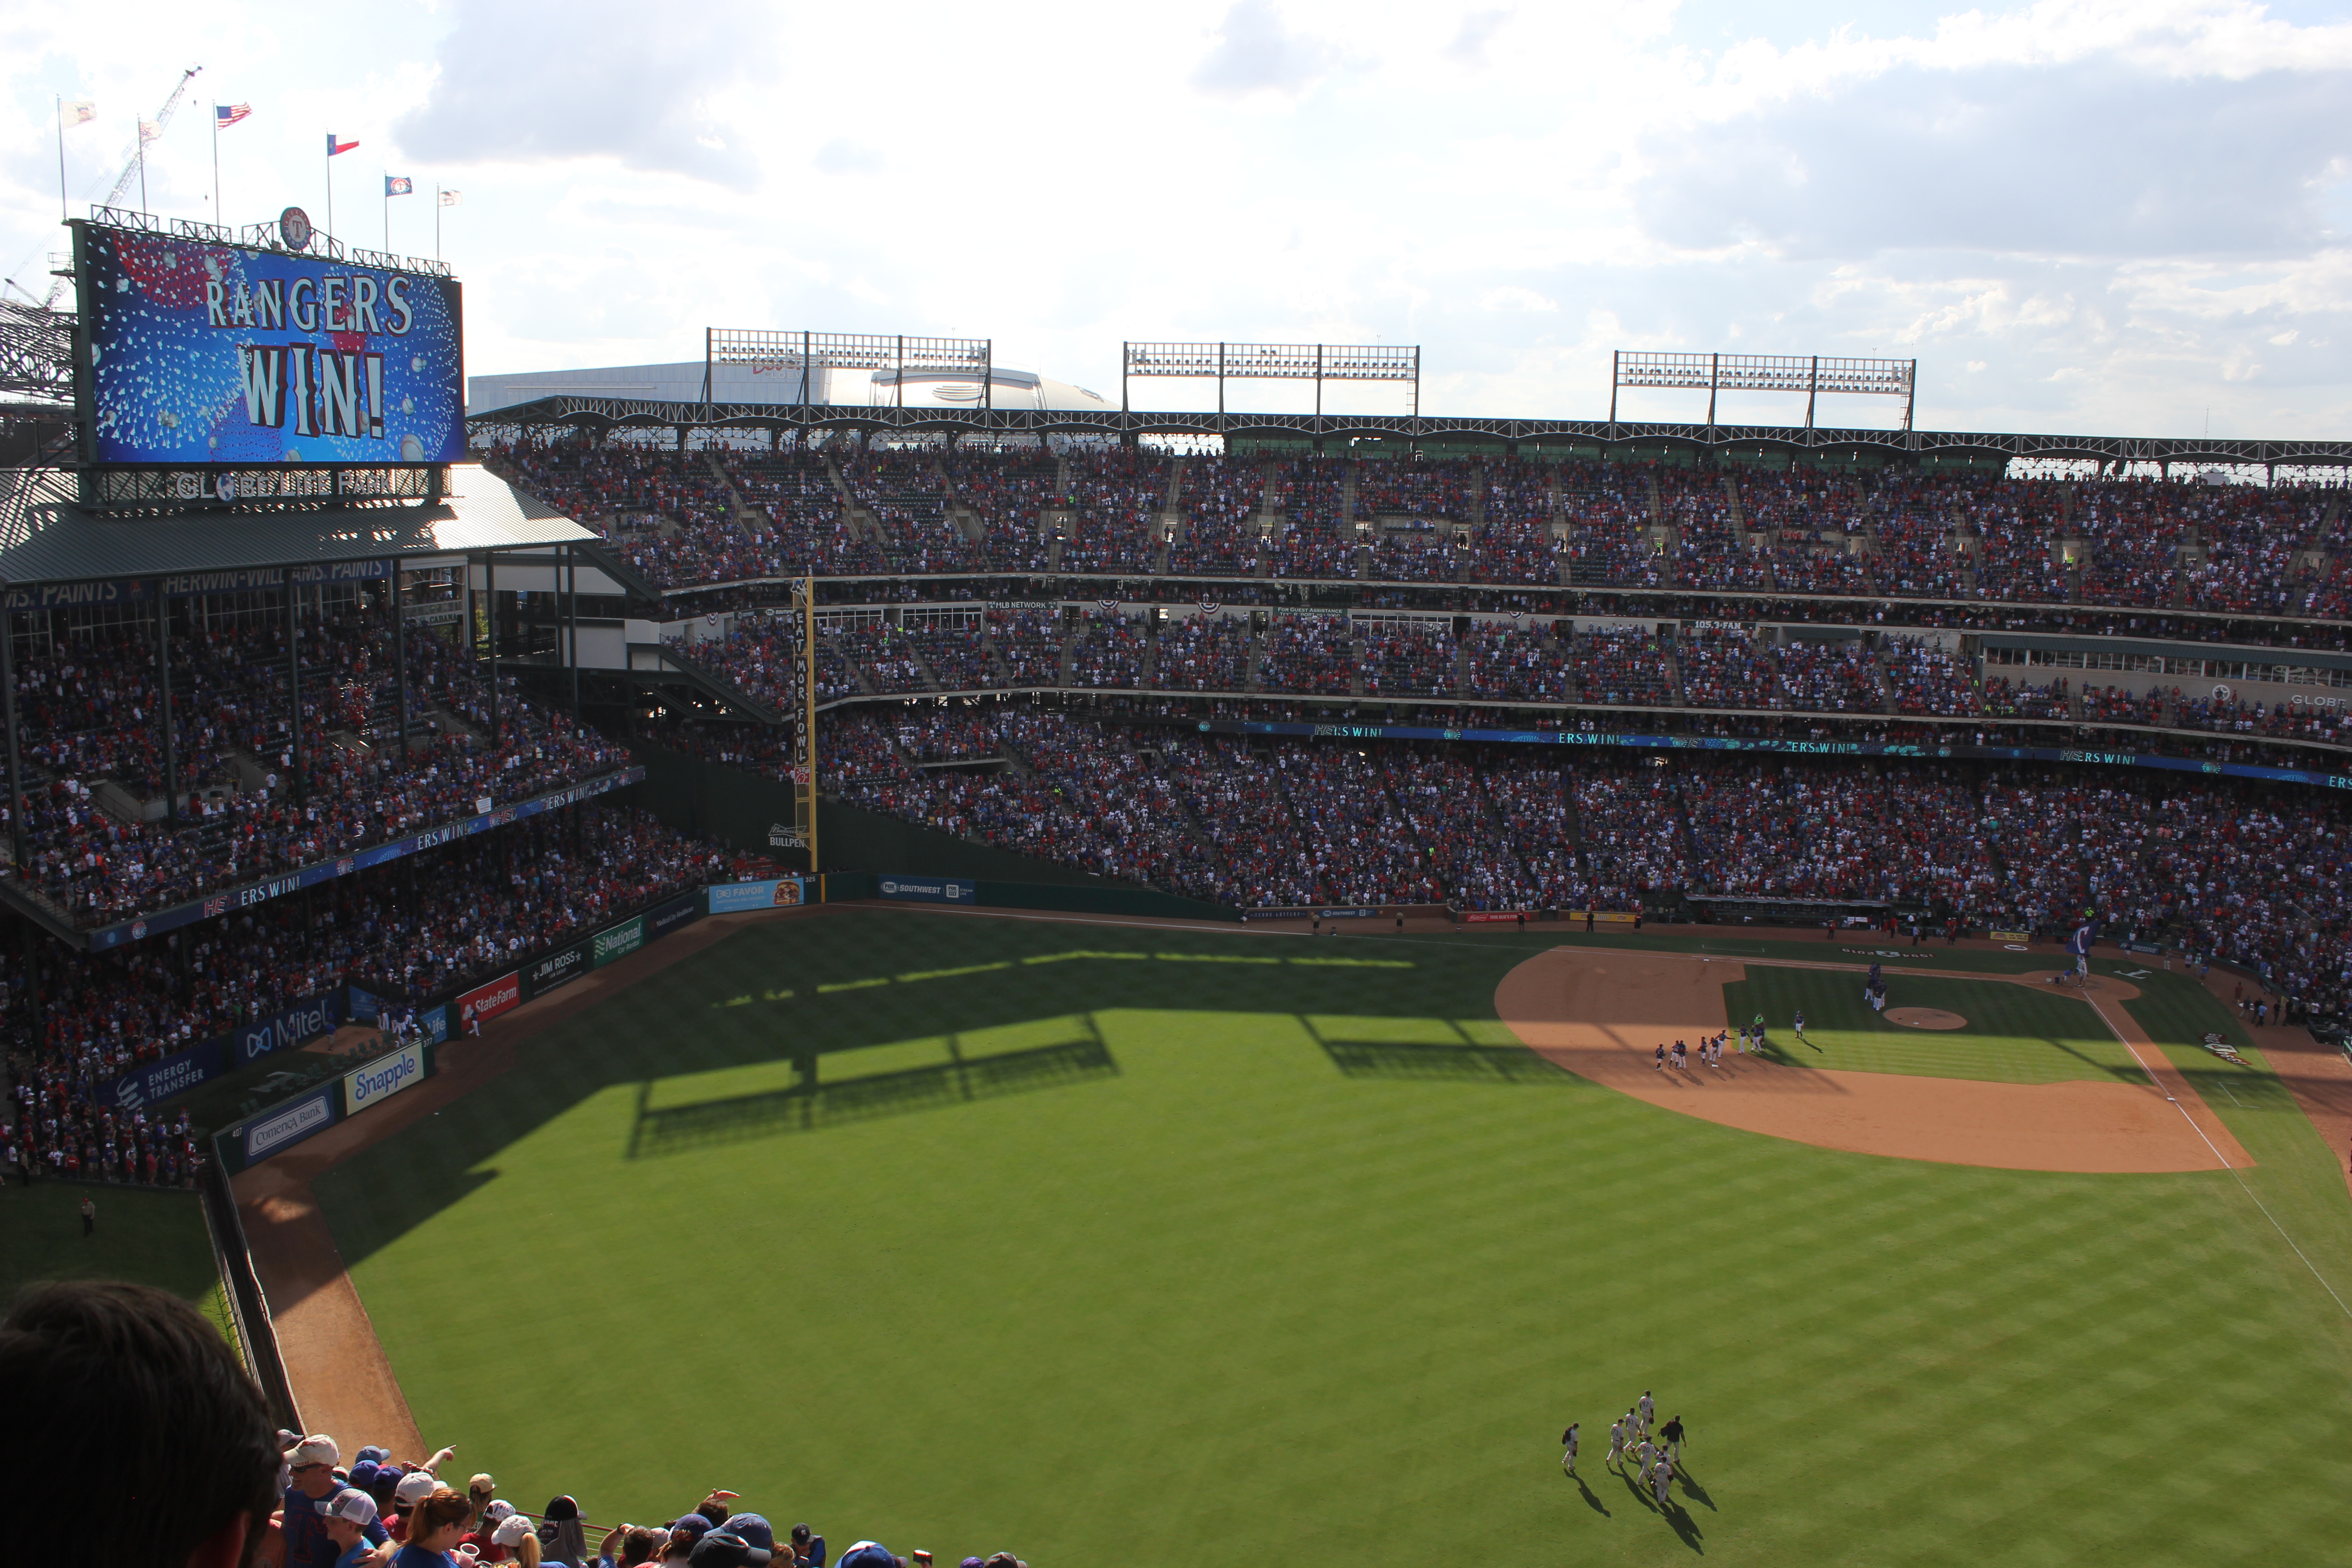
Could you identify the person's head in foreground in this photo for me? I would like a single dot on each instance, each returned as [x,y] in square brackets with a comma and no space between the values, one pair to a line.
[436,1521]
[148,1434]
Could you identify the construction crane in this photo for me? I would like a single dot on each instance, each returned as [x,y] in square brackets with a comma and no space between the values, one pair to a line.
[130,160]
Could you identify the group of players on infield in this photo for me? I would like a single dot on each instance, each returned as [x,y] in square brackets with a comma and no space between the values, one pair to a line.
[1629,1441]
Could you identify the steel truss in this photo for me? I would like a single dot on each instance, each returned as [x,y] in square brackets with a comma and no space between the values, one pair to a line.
[1594,437]
[1318,363]
[36,352]
[1809,373]
[809,352]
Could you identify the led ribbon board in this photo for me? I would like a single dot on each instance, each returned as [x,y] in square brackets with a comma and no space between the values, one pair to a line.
[195,351]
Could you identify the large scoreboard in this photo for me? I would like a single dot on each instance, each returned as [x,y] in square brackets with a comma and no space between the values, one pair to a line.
[196,354]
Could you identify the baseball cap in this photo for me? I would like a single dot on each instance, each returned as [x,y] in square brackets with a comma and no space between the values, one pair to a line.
[757,1534]
[372,1452]
[415,1488]
[317,1451]
[481,1483]
[497,1508]
[563,1508]
[510,1530]
[868,1554]
[364,1473]
[286,1439]
[352,1504]
[720,1548]
[693,1524]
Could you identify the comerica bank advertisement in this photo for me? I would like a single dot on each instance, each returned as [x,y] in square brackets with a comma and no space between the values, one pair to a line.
[201,352]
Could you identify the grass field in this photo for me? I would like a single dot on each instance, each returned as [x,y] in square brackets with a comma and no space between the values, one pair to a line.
[1116,1245]
[2015,1034]
[155,1238]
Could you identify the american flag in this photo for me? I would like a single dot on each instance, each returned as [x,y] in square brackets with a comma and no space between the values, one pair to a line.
[230,114]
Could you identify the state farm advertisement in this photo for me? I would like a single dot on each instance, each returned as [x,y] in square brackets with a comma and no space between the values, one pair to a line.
[480,1005]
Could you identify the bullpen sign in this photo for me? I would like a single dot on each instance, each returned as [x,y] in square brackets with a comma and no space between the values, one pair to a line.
[382,1078]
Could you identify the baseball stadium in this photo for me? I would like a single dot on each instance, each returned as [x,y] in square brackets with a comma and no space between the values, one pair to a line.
[882,941]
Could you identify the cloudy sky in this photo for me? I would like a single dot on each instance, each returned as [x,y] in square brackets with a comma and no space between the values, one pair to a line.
[2090,217]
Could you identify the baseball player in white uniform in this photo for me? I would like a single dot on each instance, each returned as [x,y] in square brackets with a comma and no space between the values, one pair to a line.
[1568,1441]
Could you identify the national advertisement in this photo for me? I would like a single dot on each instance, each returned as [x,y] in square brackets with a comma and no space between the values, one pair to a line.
[210,353]
[930,890]
[558,969]
[486,1002]
[309,1020]
[288,1125]
[382,1078]
[618,943]
[773,893]
[175,1074]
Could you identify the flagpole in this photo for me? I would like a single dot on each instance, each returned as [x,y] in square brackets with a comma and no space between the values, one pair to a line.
[388,215]
[61,157]
[436,216]
[142,165]
[216,201]
[330,184]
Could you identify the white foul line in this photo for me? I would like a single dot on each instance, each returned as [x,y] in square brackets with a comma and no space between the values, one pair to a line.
[2099,1007]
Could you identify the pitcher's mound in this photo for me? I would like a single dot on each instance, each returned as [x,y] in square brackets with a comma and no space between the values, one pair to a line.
[1926,1018]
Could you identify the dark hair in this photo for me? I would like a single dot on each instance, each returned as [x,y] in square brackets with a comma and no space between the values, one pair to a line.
[640,1545]
[800,1535]
[130,1380]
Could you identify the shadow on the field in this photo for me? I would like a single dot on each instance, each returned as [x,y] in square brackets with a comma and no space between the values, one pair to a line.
[1466,1062]
[1592,1499]
[811,1105]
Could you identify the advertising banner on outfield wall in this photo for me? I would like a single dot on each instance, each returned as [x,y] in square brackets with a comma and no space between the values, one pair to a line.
[776,893]
[1495,917]
[288,1125]
[618,943]
[434,1022]
[175,1074]
[382,1078]
[304,1021]
[930,890]
[663,918]
[559,968]
[486,1002]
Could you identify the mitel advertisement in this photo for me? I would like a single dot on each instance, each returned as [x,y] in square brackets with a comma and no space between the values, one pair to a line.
[193,352]
[304,1021]
[486,1002]
[930,890]
[382,1078]
[288,1125]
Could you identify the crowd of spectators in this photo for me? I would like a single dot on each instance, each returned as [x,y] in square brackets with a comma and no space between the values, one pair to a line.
[1925,678]
[1220,499]
[100,843]
[1623,665]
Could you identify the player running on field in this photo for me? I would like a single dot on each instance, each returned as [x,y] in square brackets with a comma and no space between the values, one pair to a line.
[1568,1441]
[1617,1442]
[1647,1453]
[1648,1410]
[1663,1478]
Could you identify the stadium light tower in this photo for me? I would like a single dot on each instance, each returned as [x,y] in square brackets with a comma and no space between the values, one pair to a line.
[1318,363]
[803,354]
[1713,374]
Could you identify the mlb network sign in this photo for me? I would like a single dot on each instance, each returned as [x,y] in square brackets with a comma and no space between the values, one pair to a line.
[930,890]
[382,1078]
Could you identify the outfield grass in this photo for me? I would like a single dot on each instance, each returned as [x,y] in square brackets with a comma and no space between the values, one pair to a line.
[2015,1034]
[1124,1246]
[154,1237]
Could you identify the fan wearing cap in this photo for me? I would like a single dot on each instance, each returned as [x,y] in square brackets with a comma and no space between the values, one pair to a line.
[684,1531]
[413,1489]
[513,1539]
[808,1547]
[346,1517]
[307,1545]
[481,1538]
[562,1537]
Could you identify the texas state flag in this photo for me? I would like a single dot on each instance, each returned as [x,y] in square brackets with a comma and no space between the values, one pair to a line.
[334,146]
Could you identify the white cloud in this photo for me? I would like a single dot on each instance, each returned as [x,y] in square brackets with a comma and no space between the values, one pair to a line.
[2083,215]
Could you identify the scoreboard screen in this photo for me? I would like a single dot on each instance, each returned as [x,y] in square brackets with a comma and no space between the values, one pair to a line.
[197,352]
